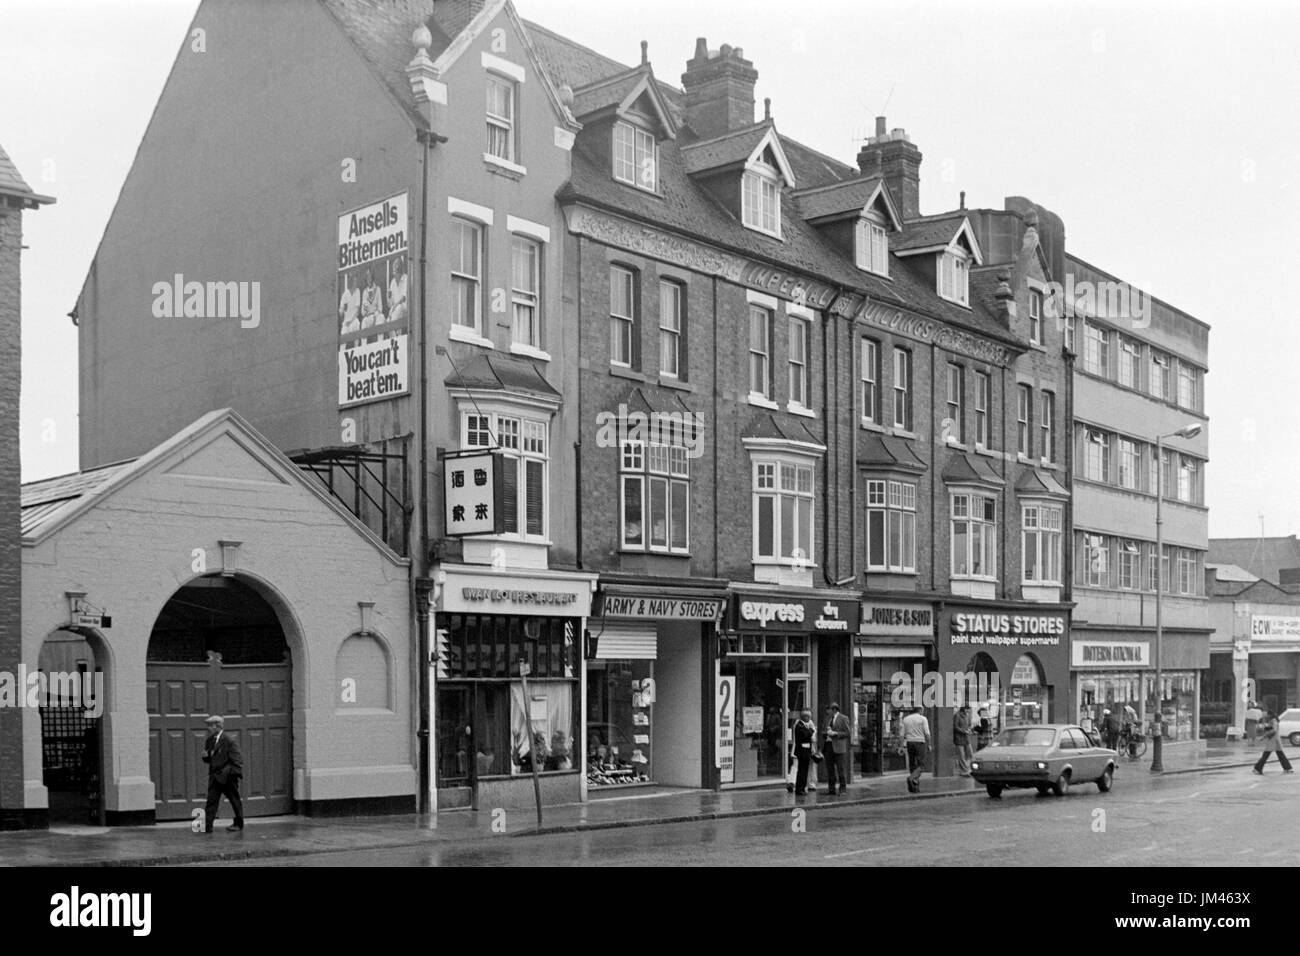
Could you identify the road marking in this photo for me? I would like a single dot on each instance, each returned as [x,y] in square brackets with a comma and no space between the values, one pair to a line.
[870,849]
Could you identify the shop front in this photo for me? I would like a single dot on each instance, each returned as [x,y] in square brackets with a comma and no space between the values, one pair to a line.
[1115,670]
[644,683]
[1013,661]
[783,653]
[893,639]
[508,689]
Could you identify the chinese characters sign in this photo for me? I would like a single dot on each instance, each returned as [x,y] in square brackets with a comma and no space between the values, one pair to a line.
[472,489]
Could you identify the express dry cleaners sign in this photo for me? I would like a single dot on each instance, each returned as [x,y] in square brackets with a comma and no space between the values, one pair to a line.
[809,615]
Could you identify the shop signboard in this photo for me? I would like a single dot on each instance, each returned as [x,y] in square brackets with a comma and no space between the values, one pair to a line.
[661,608]
[906,620]
[497,593]
[725,709]
[1008,630]
[373,302]
[1100,654]
[472,492]
[1265,627]
[774,613]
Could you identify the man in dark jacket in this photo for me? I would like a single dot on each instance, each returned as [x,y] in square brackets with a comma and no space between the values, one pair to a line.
[836,750]
[804,733]
[225,767]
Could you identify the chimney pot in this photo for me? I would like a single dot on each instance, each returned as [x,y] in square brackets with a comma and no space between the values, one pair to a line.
[701,49]
[719,90]
[645,58]
[963,199]
[725,50]
[767,108]
[880,126]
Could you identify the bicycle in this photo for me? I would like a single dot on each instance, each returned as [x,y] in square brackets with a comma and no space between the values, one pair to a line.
[1132,742]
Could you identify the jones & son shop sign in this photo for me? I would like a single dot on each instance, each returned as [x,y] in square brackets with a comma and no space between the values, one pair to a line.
[808,615]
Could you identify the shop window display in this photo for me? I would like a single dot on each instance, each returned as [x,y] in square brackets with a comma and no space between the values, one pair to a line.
[620,704]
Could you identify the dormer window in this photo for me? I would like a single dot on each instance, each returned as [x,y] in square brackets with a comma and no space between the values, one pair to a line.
[636,161]
[954,278]
[872,247]
[761,199]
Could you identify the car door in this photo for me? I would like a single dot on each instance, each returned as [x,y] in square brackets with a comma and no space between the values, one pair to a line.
[1089,761]
[1061,753]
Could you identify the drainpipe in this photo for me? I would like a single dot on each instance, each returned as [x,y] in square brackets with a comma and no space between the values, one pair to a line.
[577,464]
[830,328]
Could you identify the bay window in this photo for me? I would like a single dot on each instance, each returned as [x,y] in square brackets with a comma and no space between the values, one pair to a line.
[524,445]
[783,512]
[1041,543]
[656,497]
[891,526]
[974,535]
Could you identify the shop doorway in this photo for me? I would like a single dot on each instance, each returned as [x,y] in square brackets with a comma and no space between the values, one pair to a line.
[71,712]
[881,749]
[218,647]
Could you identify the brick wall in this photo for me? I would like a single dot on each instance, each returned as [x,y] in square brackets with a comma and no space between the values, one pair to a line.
[11,757]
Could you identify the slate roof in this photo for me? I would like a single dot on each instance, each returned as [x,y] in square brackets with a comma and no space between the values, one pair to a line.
[1264,557]
[839,198]
[1036,482]
[886,451]
[13,184]
[500,372]
[604,94]
[766,425]
[927,231]
[984,284]
[1230,572]
[40,499]
[726,150]
[966,468]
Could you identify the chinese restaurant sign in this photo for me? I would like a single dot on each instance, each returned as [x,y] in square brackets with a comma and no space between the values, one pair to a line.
[472,491]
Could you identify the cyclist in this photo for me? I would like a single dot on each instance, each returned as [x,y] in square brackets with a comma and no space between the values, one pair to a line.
[1109,729]
[1132,729]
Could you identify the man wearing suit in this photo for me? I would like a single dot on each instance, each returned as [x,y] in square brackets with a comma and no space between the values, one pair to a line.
[805,731]
[225,767]
[836,749]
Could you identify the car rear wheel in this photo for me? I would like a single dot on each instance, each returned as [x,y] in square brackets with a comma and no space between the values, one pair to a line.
[1295,739]
[995,790]
[1062,785]
[1105,780]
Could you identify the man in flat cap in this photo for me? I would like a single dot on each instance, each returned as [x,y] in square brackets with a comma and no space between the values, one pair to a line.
[225,767]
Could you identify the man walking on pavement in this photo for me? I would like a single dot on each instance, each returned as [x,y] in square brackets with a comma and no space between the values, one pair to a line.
[836,750]
[1272,744]
[225,767]
[961,741]
[916,734]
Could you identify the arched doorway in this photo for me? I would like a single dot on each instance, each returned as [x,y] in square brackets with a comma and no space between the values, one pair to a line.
[218,648]
[72,704]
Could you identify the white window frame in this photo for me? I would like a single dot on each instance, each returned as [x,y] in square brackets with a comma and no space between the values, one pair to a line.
[500,123]
[954,277]
[957,402]
[1047,426]
[1096,560]
[869,375]
[1024,420]
[672,318]
[521,440]
[891,504]
[1129,368]
[622,327]
[642,169]
[473,281]
[1160,376]
[769,474]
[1185,375]
[760,200]
[1096,349]
[799,334]
[983,399]
[902,392]
[1095,436]
[871,246]
[1129,456]
[1041,525]
[1130,564]
[760,359]
[647,467]
[1035,317]
[525,299]
[971,510]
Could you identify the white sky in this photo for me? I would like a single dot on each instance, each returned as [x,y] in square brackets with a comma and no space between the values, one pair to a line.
[1163,133]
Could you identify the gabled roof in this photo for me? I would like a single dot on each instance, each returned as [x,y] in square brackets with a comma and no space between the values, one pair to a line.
[86,490]
[13,184]
[500,373]
[1262,556]
[621,92]
[736,148]
[888,452]
[1231,572]
[848,197]
[935,234]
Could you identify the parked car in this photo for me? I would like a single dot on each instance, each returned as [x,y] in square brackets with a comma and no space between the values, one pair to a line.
[1288,725]
[1045,757]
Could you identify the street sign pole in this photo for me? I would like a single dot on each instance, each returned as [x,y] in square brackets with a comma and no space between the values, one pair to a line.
[524,669]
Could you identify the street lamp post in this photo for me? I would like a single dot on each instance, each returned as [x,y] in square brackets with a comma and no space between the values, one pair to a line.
[1157,738]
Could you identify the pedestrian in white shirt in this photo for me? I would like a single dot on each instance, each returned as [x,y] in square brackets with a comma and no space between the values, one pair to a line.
[916,734]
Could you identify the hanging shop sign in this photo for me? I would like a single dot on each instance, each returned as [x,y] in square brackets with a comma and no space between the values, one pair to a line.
[773,613]
[725,744]
[373,302]
[1110,654]
[473,493]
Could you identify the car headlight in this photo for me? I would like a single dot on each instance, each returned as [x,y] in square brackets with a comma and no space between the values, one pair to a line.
[975,765]
[1041,766]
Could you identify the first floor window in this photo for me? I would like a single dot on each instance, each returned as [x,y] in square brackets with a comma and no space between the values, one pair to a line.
[656,496]
[974,535]
[1041,544]
[525,447]
[1130,565]
[670,329]
[983,392]
[1024,402]
[1096,560]
[903,389]
[466,272]
[760,351]
[783,511]
[798,361]
[526,284]
[891,525]
[622,315]
[870,380]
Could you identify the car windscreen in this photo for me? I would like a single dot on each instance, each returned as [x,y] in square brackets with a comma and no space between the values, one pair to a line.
[1024,737]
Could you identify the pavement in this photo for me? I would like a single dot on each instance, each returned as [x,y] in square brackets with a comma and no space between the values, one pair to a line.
[272,837]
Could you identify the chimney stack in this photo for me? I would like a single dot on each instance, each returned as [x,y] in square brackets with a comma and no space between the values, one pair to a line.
[719,86]
[893,156]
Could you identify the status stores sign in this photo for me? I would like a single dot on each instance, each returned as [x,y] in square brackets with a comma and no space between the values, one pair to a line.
[374,302]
